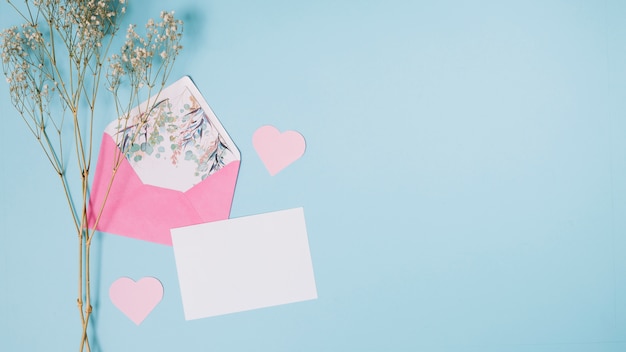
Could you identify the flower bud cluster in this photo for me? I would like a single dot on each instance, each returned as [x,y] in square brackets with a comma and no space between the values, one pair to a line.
[137,58]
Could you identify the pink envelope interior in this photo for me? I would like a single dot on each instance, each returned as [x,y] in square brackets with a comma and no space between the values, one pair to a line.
[134,209]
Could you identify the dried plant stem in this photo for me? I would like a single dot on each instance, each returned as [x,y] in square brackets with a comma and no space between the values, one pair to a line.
[81,32]
[86,263]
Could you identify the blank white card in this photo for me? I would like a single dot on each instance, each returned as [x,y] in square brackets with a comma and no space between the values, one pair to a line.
[244,263]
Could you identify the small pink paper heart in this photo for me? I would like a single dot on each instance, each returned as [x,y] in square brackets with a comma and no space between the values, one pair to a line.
[277,150]
[136,299]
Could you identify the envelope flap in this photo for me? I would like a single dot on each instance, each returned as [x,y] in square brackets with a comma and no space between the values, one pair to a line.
[174,140]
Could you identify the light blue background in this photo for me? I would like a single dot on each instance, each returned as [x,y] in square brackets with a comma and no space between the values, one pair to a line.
[464,183]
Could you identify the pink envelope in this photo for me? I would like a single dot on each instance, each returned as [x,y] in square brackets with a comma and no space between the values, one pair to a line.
[180,168]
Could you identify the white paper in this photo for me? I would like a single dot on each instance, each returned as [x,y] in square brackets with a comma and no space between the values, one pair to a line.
[244,263]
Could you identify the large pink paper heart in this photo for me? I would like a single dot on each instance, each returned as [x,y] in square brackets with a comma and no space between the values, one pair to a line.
[136,299]
[277,150]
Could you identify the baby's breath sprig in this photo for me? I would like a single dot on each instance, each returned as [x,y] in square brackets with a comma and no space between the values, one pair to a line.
[144,62]
[55,64]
